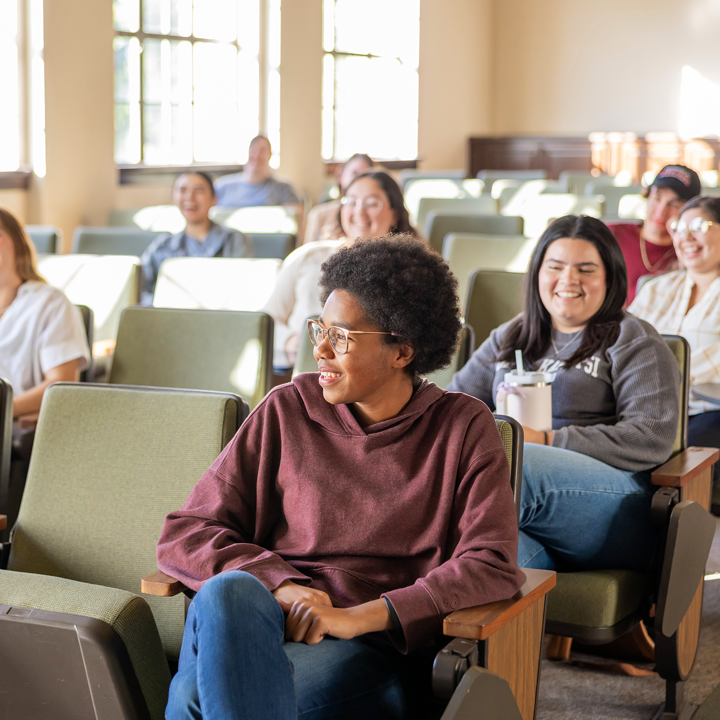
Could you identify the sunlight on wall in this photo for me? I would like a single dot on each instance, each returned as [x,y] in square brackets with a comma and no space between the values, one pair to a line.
[699,105]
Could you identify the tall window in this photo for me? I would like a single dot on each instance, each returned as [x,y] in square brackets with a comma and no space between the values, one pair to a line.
[187,80]
[370,78]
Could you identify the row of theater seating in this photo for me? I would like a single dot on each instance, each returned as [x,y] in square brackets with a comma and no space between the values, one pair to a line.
[122,457]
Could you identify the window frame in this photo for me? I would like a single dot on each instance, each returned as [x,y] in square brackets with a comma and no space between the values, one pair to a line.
[133,173]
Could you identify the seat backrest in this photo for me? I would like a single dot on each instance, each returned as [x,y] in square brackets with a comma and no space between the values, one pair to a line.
[681,350]
[574,182]
[483,205]
[216,283]
[45,238]
[405,177]
[511,434]
[612,195]
[539,210]
[195,349]
[6,421]
[466,253]
[464,350]
[263,219]
[305,360]
[88,321]
[108,464]
[111,241]
[438,188]
[105,283]
[632,207]
[494,297]
[440,224]
[272,245]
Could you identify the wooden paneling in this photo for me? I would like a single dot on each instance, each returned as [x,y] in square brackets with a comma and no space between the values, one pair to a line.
[513,653]
[604,152]
[552,154]
[688,633]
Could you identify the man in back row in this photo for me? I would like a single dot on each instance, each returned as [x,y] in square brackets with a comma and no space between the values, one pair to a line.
[255,184]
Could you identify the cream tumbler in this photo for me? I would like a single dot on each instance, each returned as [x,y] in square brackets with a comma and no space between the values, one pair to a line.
[527,398]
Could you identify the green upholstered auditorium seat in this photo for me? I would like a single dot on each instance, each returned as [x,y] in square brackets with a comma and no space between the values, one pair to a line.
[46,238]
[109,463]
[483,205]
[598,606]
[215,350]
[440,224]
[493,297]
[112,240]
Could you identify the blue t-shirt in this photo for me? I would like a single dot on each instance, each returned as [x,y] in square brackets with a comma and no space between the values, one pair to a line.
[234,191]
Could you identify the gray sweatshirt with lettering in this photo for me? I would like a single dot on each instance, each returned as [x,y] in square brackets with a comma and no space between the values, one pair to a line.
[620,406]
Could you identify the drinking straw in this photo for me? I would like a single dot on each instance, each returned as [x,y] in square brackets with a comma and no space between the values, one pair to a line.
[519,362]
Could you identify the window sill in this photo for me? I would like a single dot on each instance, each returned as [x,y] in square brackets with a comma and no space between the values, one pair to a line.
[331,165]
[15,179]
[154,174]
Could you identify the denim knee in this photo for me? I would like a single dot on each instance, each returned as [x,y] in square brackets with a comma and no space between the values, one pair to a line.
[235,592]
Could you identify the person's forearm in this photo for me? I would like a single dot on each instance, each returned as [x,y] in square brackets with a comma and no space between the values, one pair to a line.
[29,401]
[370,617]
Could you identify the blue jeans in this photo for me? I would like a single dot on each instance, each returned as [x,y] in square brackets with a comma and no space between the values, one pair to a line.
[235,663]
[704,431]
[577,513]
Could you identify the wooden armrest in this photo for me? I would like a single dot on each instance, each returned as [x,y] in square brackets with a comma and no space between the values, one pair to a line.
[160,584]
[685,466]
[3,522]
[479,623]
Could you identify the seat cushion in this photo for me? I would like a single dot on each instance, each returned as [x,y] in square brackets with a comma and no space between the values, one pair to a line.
[597,598]
[129,615]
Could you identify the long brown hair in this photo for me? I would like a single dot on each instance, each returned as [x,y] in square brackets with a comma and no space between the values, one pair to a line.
[25,256]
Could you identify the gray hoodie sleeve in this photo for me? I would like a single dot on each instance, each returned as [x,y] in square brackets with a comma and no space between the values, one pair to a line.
[646,382]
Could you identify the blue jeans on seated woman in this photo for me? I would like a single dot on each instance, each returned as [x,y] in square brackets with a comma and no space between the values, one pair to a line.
[577,513]
[235,663]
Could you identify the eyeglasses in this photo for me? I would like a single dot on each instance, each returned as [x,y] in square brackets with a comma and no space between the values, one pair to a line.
[337,336]
[371,205]
[697,225]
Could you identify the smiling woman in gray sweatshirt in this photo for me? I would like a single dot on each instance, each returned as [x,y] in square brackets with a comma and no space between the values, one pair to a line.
[354,509]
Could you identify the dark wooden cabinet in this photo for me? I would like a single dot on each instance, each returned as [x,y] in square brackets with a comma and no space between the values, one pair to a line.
[530,152]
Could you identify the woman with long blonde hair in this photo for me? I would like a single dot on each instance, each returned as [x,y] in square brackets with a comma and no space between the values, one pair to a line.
[42,337]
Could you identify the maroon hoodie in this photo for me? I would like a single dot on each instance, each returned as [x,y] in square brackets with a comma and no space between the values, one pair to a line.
[417,509]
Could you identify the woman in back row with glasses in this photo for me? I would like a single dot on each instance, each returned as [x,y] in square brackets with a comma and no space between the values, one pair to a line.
[687,302]
[372,207]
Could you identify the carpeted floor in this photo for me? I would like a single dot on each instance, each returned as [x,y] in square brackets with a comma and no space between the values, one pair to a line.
[570,692]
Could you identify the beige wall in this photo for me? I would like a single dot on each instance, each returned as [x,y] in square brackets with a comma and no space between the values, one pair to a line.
[456,48]
[79,187]
[503,66]
[562,66]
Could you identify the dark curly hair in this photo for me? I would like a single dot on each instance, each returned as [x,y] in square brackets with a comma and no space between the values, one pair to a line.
[404,288]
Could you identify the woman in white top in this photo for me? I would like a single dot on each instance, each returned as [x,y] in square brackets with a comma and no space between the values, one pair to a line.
[373,206]
[687,303]
[42,336]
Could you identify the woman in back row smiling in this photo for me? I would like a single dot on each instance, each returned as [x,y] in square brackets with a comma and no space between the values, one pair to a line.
[586,486]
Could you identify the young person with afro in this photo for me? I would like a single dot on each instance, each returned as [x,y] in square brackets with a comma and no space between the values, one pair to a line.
[355,508]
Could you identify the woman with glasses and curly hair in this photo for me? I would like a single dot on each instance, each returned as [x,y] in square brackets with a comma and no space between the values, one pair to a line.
[371,207]
[586,484]
[687,303]
[354,509]
[42,336]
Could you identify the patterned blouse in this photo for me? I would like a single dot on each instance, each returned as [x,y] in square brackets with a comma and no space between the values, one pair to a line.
[663,302]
